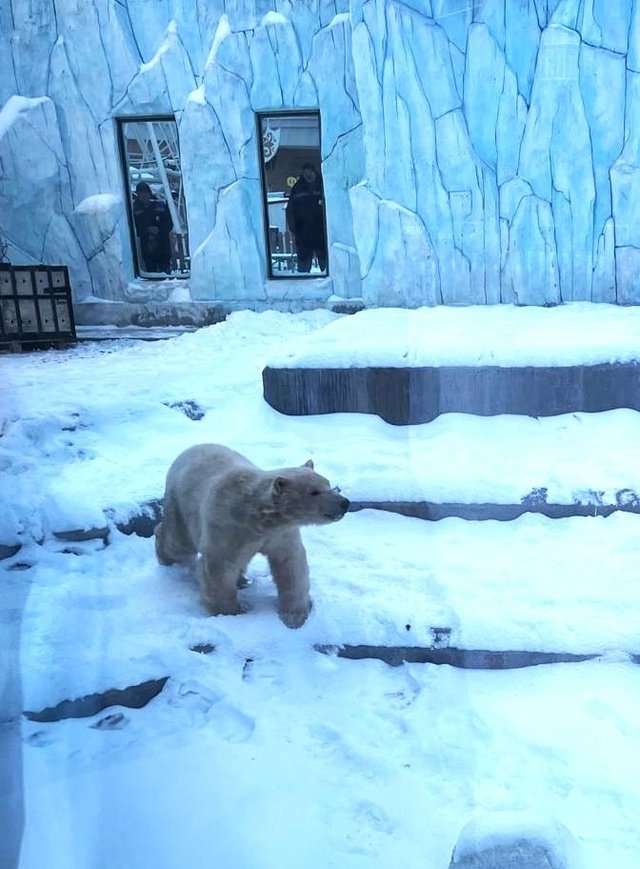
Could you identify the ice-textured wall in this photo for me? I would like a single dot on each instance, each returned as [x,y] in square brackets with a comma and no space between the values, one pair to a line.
[472,151]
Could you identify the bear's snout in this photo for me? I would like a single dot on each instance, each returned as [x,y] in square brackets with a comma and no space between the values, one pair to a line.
[338,509]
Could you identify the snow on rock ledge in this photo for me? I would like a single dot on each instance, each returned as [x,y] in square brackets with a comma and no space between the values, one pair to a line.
[579,333]
[504,840]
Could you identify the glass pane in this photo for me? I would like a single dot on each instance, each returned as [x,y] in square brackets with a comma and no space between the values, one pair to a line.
[294,194]
[157,197]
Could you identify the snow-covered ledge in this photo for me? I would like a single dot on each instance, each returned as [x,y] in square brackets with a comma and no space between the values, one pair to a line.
[101,312]
[409,366]
[576,333]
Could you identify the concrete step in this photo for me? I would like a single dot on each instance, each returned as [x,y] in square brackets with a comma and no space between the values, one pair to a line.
[381,581]
[564,590]
[456,466]
[411,366]
[404,396]
[461,466]
[534,584]
[472,467]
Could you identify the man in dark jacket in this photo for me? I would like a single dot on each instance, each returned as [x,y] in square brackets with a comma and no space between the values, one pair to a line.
[305,219]
[153,225]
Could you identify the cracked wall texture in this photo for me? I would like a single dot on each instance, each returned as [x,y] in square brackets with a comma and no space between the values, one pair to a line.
[472,152]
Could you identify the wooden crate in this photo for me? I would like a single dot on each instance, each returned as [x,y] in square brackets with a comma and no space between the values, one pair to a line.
[35,307]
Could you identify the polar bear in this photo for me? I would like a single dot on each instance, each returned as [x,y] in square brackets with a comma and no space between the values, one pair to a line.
[219,504]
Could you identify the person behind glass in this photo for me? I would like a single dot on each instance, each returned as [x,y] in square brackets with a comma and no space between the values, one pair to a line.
[305,219]
[153,225]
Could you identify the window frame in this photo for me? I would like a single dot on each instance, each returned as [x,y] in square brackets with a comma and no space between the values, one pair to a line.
[286,113]
[121,120]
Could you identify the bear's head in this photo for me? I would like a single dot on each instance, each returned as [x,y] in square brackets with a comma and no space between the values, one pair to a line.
[303,497]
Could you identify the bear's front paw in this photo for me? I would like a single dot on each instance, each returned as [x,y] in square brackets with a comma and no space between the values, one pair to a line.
[295,617]
[228,608]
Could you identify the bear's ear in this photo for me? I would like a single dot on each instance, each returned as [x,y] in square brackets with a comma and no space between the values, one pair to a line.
[308,464]
[279,485]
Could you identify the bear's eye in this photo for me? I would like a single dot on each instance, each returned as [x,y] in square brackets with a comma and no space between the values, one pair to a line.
[315,492]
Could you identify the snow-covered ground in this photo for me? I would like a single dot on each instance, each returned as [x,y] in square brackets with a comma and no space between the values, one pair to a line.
[265,754]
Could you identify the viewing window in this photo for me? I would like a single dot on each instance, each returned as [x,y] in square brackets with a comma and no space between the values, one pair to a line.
[293,194]
[157,209]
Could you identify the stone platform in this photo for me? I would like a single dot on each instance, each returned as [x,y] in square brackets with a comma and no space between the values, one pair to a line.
[411,366]
[405,396]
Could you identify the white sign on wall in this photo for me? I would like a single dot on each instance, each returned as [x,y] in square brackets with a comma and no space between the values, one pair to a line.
[270,143]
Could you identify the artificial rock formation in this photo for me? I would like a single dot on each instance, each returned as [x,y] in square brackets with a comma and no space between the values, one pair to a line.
[471,152]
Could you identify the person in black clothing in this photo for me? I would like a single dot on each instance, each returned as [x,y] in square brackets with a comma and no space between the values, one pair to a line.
[305,219]
[153,225]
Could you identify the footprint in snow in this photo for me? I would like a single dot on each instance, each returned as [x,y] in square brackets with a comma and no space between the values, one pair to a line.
[100,602]
[262,671]
[373,817]
[203,704]
[329,743]
[230,724]
[39,739]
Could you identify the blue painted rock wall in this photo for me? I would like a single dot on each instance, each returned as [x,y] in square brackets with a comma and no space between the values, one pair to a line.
[472,152]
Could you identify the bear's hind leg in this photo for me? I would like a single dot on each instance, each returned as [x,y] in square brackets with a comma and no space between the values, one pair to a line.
[167,550]
[220,576]
[172,541]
